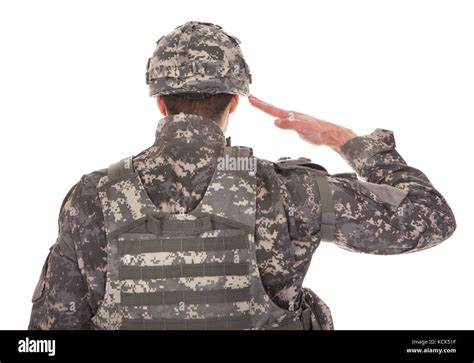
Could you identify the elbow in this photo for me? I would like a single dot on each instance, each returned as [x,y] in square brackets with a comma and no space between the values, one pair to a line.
[449,225]
[437,230]
[446,224]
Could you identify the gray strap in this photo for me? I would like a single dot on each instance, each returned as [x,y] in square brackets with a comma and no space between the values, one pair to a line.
[188,270]
[173,227]
[288,162]
[328,220]
[306,318]
[221,323]
[176,227]
[120,168]
[238,151]
[203,297]
[183,244]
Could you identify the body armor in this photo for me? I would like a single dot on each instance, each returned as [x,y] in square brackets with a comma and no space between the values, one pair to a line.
[195,270]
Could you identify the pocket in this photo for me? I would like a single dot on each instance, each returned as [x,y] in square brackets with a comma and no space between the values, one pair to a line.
[383,193]
[40,288]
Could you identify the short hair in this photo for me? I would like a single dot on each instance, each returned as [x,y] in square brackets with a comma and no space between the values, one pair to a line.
[206,105]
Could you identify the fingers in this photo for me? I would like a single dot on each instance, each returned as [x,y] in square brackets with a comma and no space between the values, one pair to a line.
[282,123]
[300,126]
[268,108]
[309,128]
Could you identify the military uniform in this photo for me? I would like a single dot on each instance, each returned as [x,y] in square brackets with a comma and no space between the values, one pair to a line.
[166,227]
[396,210]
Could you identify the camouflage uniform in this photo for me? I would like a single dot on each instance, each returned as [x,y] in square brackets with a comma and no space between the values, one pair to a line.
[370,216]
[390,209]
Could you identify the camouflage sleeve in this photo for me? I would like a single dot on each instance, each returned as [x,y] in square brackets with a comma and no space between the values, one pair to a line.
[60,297]
[393,208]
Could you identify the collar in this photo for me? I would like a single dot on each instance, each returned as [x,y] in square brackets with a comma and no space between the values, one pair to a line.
[184,148]
[185,142]
[190,130]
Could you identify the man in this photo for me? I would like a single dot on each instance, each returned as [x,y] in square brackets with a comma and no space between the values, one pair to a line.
[172,239]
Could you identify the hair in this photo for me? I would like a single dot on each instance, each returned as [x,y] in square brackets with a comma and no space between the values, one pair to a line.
[206,105]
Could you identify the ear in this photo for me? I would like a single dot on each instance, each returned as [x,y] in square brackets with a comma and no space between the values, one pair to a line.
[233,103]
[161,105]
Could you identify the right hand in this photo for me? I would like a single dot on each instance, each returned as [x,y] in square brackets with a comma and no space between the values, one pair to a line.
[310,129]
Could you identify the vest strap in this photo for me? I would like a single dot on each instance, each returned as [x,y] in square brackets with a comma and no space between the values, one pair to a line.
[238,151]
[121,168]
[328,220]
[173,227]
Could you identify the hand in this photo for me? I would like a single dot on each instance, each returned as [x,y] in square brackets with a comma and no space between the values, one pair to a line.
[310,129]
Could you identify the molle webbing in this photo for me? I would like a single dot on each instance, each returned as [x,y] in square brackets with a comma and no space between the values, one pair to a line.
[194,270]
[165,272]
[188,281]
[224,323]
[183,244]
[187,297]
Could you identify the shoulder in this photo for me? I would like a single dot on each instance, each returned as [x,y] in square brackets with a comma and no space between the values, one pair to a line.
[294,179]
[84,190]
[302,163]
[81,208]
[286,167]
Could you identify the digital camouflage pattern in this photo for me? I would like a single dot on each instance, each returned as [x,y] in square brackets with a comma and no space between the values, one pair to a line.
[198,58]
[393,209]
[184,271]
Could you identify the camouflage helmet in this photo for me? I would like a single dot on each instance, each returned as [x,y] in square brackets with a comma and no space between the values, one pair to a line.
[198,58]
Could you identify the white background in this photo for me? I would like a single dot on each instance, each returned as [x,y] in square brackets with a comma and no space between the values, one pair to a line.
[74,99]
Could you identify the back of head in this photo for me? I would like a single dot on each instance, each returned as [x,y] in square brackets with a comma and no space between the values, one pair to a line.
[197,68]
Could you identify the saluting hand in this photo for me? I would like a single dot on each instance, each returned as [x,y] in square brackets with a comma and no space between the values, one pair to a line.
[310,129]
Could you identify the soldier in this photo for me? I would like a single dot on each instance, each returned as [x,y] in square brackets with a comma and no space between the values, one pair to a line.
[174,239]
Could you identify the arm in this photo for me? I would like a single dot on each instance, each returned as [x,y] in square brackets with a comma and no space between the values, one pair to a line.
[60,298]
[396,210]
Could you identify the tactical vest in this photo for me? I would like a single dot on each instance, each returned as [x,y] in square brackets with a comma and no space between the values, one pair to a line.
[193,271]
